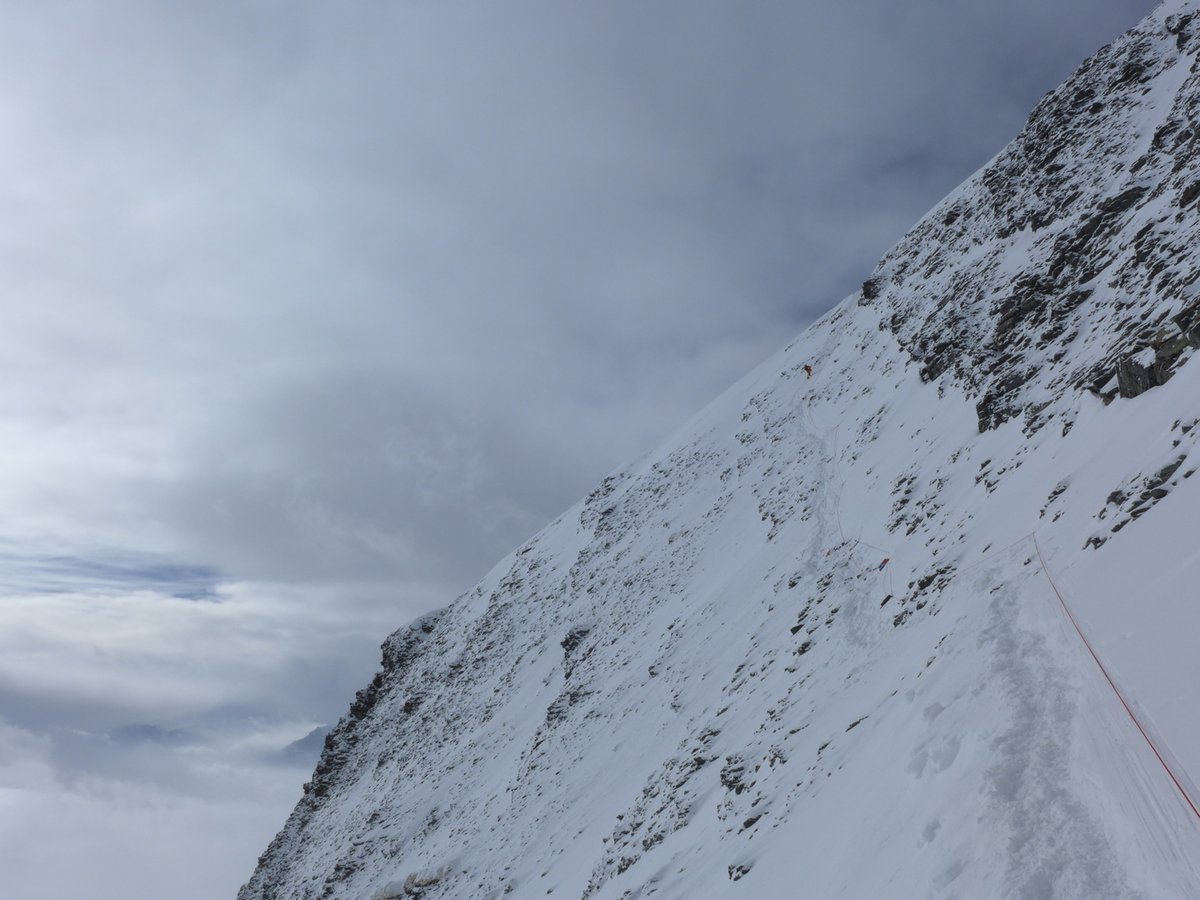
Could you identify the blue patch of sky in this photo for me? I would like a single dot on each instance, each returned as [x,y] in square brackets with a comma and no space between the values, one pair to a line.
[103,572]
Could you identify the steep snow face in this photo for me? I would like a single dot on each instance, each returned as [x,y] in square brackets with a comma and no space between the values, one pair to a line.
[808,646]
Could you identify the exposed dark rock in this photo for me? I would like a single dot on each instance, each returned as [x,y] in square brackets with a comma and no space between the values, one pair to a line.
[1180,26]
[1188,322]
[574,638]
[1164,474]
[557,711]
[1000,403]
[1123,202]
[1167,354]
[733,775]
[1133,378]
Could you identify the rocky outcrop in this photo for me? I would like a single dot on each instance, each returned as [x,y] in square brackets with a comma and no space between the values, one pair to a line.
[1108,251]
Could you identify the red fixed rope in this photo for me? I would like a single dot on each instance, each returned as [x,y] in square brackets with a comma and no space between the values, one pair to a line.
[1116,690]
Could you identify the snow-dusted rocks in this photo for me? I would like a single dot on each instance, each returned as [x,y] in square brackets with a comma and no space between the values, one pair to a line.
[807,646]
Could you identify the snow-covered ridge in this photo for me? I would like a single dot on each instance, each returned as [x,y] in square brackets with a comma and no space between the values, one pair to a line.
[805,647]
[1074,249]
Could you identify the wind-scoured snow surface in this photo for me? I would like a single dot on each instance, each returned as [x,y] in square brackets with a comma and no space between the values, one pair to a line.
[702,680]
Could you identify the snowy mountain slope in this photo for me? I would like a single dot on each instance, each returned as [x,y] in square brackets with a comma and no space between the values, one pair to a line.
[701,682]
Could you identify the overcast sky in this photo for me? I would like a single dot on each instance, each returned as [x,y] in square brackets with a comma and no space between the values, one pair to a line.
[312,311]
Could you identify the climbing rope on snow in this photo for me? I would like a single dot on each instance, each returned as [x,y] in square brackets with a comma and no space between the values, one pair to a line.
[806,412]
[1176,780]
[1159,755]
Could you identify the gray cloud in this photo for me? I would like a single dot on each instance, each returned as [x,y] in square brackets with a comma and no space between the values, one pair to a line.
[295,282]
[313,311]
